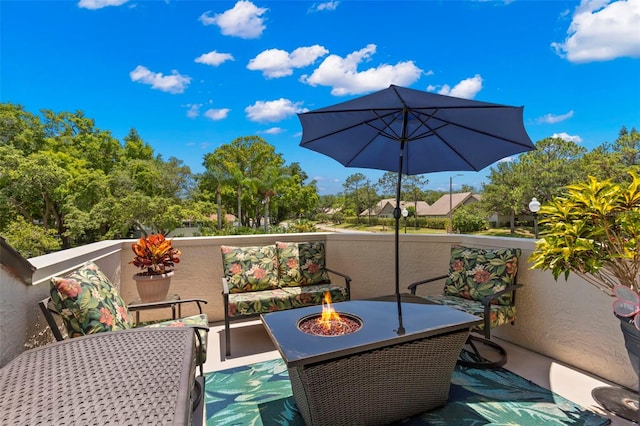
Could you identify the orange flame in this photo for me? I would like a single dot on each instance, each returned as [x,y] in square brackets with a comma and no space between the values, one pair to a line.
[328,313]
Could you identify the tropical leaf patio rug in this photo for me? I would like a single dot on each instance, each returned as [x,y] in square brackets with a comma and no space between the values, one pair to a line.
[260,394]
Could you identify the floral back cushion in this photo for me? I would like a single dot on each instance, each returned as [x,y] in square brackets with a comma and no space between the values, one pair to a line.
[88,303]
[250,268]
[475,272]
[302,263]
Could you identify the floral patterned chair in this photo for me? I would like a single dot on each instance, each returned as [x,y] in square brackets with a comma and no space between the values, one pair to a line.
[481,282]
[88,303]
[284,275]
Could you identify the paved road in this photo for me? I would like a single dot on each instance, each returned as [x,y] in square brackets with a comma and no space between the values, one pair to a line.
[345,231]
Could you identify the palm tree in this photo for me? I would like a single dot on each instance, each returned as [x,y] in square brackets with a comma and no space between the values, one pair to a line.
[267,185]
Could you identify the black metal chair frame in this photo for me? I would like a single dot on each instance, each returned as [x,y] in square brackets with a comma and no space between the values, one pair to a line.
[474,357]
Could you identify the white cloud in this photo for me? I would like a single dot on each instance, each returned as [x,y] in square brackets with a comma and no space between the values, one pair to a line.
[602,30]
[194,110]
[217,114]
[244,20]
[276,63]
[552,119]
[567,137]
[174,83]
[273,131]
[99,4]
[466,89]
[343,76]
[320,7]
[214,58]
[271,111]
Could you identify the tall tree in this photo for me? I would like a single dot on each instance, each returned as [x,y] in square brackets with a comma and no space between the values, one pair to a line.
[504,192]
[554,164]
[388,184]
[215,176]
[267,185]
[413,187]
[135,148]
[243,160]
[352,186]
[370,197]
[297,198]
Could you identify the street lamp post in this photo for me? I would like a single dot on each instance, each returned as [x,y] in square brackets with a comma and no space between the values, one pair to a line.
[451,201]
[405,213]
[534,207]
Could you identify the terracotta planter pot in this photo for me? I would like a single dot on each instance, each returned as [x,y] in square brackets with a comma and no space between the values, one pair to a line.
[153,288]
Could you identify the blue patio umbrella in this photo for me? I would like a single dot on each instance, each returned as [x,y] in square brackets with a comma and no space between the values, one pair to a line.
[413,132]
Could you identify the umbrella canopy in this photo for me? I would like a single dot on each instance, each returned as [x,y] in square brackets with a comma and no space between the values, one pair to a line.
[413,132]
[438,133]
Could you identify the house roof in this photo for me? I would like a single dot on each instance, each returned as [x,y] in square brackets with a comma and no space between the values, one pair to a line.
[441,206]
[228,217]
[422,206]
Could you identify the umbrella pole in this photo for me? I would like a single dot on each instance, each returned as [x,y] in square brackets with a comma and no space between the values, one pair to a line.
[396,215]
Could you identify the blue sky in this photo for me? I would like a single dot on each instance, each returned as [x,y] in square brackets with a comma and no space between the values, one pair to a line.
[190,76]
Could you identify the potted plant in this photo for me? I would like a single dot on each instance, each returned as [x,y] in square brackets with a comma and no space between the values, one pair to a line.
[156,256]
[593,230]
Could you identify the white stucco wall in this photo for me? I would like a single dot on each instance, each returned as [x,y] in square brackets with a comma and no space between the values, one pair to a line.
[568,321]
[20,318]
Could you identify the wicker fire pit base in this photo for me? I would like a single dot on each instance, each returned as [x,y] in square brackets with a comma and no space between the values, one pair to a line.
[380,386]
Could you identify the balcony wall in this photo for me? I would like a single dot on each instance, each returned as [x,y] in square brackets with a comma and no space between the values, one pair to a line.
[569,321]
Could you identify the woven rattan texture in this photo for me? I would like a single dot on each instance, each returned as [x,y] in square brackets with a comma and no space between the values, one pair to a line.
[134,377]
[380,386]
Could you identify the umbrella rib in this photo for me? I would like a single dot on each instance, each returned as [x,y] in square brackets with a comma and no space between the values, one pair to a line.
[367,122]
[380,132]
[387,125]
[482,132]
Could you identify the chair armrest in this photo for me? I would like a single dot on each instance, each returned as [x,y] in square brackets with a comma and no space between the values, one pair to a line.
[486,301]
[167,304]
[225,286]
[48,312]
[201,344]
[347,280]
[412,287]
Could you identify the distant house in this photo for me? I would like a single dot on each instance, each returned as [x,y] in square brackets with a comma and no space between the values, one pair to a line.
[385,207]
[450,202]
[191,228]
[229,218]
[331,211]
[440,208]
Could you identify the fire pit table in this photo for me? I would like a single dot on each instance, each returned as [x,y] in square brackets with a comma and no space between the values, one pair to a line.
[375,375]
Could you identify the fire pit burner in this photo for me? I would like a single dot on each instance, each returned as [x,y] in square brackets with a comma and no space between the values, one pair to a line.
[341,326]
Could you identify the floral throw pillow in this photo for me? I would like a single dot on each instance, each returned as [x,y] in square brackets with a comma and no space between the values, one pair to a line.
[475,273]
[88,303]
[250,268]
[302,263]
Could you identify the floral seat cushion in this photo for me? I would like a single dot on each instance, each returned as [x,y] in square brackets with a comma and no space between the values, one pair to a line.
[250,268]
[475,273]
[88,303]
[200,320]
[254,303]
[499,314]
[301,264]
